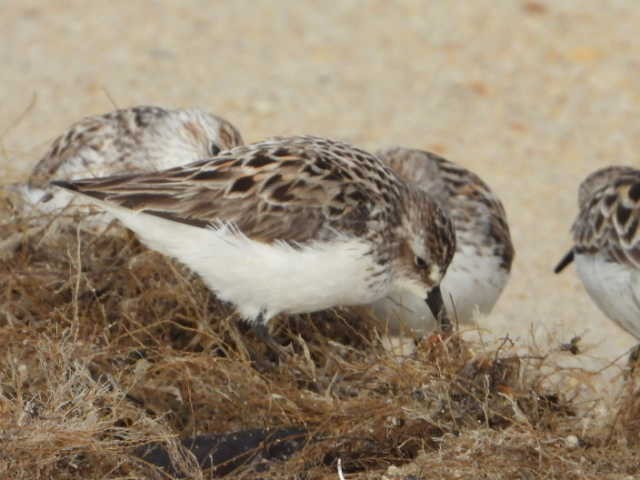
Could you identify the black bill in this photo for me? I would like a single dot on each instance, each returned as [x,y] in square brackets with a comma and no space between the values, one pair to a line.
[566,260]
[436,305]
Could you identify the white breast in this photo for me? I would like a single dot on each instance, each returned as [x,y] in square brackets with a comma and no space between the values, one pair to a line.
[472,284]
[262,278]
[615,289]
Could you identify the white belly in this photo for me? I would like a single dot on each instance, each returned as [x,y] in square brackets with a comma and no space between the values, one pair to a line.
[615,289]
[472,284]
[261,278]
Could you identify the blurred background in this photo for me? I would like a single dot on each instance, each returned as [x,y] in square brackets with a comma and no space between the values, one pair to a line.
[531,95]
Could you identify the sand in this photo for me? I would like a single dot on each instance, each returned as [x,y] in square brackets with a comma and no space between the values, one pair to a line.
[530,95]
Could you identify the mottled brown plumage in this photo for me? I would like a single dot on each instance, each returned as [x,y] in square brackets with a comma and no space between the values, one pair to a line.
[302,192]
[484,251]
[131,140]
[609,216]
[606,243]
[477,213]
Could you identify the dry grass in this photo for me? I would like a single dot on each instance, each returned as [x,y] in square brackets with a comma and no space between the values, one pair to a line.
[107,347]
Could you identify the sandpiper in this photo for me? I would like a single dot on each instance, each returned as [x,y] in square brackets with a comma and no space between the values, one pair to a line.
[288,225]
[484,253]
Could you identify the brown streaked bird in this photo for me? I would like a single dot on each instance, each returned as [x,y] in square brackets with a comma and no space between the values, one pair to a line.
[606,243]
[130,140]
[484,252]
[288,225]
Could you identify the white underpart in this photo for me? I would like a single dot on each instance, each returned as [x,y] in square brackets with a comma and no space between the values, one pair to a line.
[471,285]
[261,278]
[615,288]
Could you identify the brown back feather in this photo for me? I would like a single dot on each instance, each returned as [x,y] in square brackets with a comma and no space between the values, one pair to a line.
[608,220]
[324,186]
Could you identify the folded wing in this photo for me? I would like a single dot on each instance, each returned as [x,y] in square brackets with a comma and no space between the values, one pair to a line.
[283,189]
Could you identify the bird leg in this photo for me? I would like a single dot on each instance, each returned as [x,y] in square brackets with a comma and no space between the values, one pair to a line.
[273,349]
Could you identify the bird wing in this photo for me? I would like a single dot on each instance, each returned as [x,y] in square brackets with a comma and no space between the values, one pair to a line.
[284,189]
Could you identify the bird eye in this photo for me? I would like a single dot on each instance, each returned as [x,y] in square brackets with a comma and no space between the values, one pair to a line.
[420,263]
[214,149]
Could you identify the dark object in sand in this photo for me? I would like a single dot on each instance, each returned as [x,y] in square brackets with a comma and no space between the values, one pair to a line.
[224,452]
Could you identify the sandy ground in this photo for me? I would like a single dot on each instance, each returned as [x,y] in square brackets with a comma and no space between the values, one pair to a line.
[530,95]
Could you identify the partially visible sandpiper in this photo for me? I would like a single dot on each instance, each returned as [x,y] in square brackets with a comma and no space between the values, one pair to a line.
[606,243]
[481,265]
[288,225]
[131,140]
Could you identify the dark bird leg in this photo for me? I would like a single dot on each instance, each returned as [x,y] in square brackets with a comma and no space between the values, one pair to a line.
[261,329]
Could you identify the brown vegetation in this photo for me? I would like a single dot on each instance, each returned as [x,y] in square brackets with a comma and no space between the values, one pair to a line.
[107,347]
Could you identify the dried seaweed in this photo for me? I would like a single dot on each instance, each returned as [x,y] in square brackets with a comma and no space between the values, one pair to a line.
[109,349]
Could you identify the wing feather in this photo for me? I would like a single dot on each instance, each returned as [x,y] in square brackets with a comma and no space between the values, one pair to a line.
[292,189]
